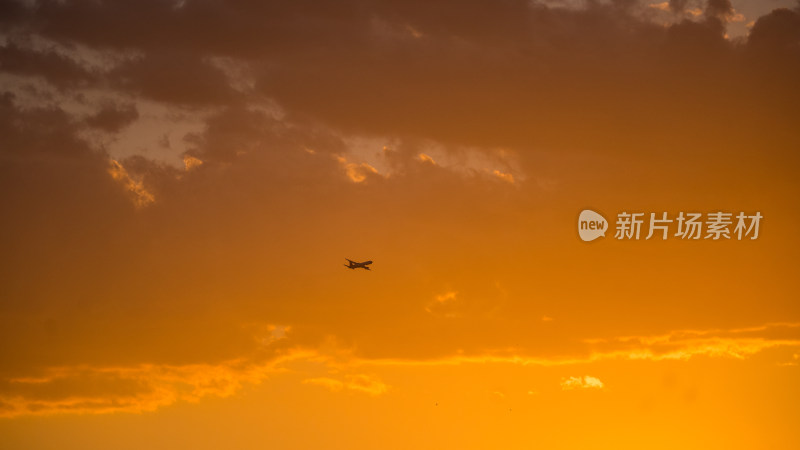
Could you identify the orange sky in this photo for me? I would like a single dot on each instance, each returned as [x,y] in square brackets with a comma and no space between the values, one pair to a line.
[182,182]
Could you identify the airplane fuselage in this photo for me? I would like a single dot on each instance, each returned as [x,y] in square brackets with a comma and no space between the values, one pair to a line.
[357,265]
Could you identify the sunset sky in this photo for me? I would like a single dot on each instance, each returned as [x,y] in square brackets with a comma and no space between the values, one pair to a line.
[182,180]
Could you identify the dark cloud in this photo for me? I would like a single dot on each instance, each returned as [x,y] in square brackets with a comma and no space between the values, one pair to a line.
[11,11]
[678,6]
[544,78]
[33,134]
[112,118]
[719,8]
[239,27]
[778,31]
[431,69]
[54,67]
[175,78]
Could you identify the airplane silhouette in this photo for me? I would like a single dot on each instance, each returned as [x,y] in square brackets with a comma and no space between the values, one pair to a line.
[357,265]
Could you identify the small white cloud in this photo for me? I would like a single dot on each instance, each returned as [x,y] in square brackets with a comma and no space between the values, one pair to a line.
[584,382]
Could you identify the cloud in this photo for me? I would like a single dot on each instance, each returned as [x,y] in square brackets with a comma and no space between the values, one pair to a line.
[112,118]
[507,177]
[663,6]
[445,305]
[357,172]
[177,78]
[531,55]
[98,389]
[131,389]
[685,344]
[719,8]
[190,162]
[141,196]
[425,158]
[328,383]
[359,383]
[676,345]
[776,33]
[678,6]
[584,382]
[19,59]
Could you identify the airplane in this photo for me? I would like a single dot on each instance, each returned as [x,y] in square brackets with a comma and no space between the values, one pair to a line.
[357,265]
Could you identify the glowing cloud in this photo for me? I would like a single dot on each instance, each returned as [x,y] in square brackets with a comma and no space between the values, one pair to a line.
[584,382]
[357,173]
[360,383]
[425,158]
[190,162]
[141,197]
[504,176]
